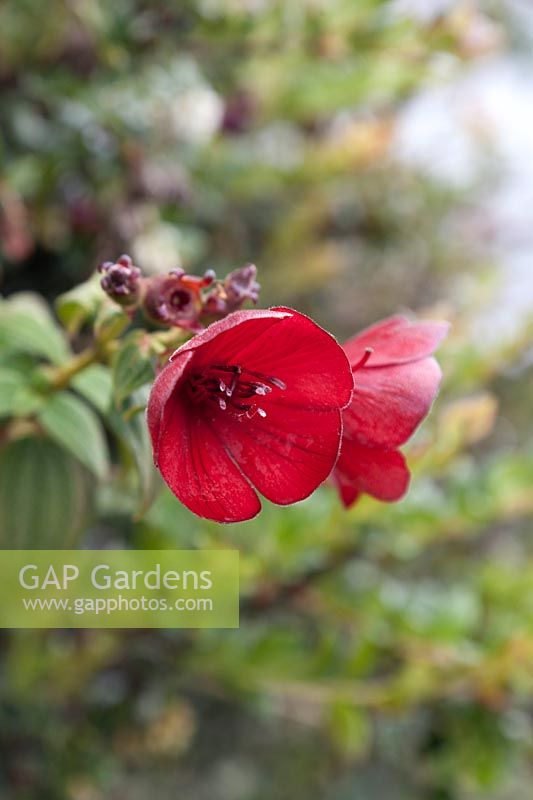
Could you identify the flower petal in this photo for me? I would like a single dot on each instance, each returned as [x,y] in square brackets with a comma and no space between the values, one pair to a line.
[370,470]
[309,361]
[287,454]
[396,340]
[228,329]
[198,469]
[209,454]
[347,488]
[166,382]
[286,345]
[390,402]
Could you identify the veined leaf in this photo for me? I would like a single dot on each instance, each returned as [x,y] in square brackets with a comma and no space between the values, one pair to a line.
[45,495]
[72,424]
[135,439]
[132,369]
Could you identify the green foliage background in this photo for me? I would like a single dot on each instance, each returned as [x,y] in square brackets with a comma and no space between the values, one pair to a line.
[383,653]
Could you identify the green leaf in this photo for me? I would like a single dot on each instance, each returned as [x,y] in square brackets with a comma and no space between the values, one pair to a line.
[95,384]
[11,381]
[135,439]
[45,495]
[27,401]
[110,321]
[28,328]
[71,423]
[20,362]
[80,304]
[349,729]
[132,368]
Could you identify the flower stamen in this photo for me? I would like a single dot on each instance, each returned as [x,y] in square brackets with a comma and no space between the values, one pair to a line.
[364,358]
[207,385]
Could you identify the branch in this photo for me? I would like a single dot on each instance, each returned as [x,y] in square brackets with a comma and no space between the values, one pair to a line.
[275,595]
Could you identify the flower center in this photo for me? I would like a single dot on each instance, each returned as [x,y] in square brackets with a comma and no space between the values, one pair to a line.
[180,299]
[233,388]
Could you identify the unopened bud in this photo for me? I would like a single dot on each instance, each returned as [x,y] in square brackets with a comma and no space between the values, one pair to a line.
[121,280]
[241,285]
[229,295]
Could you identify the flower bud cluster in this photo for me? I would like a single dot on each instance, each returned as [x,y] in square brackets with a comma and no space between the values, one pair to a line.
[178,299]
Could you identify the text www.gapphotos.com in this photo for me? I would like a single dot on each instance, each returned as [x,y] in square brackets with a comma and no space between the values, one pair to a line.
[111,605]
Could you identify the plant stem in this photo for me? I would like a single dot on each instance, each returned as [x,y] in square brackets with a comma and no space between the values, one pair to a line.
[270,597]
[62,376]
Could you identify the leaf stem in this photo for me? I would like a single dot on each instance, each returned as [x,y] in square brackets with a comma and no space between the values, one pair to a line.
[62,376]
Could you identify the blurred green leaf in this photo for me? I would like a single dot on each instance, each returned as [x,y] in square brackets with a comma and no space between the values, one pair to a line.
[27,401]
[95,384]
[71,423]
[45,495]
[467,421]
[11,381]
[132,368]
[27,330]
[78,305]
[110,322]
[350,729]
[133,434]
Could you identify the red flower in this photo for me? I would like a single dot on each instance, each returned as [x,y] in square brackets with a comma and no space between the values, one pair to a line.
[395,383]
[253,402]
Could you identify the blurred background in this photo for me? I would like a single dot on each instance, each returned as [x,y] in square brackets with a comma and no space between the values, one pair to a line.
[370,157]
